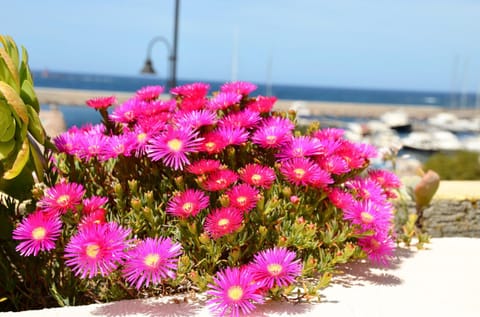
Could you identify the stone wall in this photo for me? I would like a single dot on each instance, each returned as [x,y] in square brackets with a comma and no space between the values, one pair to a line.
[453,218]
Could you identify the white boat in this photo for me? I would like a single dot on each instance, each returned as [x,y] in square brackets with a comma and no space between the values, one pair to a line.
[397,120]
[432,141]
[449,121]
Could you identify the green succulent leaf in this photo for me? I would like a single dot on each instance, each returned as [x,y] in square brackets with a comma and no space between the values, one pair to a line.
[8,71]
[28,95]
[20,161]
[38,159]
[11,48]
[14,100]
[35,125]
[6,148]
[7,129]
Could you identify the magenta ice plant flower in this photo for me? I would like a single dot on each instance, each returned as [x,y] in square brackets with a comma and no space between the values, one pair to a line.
[222,221]
[188,203]
[243,197]
[241,119]
[149,93]
[173,147]
[151,261]
[224,100]
[257,175]
[61,198]
[238,87]
[303,171]
[213,143]
[262,104]
[220,180]
[97,249]
[37,232]
[204,166]
[276,267]
[233,292]
[101,102]
[196,119]
[369,216]
[299,147]
[233,135]
[379,247]
[191,91]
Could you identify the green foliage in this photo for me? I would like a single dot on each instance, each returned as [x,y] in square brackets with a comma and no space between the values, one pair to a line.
[461,165]
[20,128]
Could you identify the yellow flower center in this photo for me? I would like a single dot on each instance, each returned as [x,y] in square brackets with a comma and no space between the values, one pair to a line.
[242,200]
[299,173]
[210,146]
[366,217]
[271,139]
[221,181]
[92,250]
[256,178]
[152,260]
[187,207]
[63,200]
[274,269]
[235,293]
[223,222]
[175,145]
[141,137]
[39,233]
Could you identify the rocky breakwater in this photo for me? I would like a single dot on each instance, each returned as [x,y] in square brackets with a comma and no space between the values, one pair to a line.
[454,210]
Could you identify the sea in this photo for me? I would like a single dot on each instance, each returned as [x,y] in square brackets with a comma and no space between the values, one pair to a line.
[80,115]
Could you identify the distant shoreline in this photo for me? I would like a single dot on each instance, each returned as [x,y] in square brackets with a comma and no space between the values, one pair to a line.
[77,97]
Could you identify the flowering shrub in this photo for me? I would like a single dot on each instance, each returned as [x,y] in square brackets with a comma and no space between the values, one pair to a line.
[218,194]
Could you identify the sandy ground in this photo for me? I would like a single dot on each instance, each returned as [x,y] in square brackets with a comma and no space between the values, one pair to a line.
[442,280]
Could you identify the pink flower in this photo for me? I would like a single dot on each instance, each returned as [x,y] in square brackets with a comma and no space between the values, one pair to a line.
[387,180]
[92,146]
[366,189]
[299,147]
[123,144]
[213,143]
[61,198]
[379,248]
[257,175]
[302,171]
[220,180]
[126,112]
[276,267]
[149,93]
[203,166]
[333,164]
[96,249]
[196,119]
[243,197]
[271,137]
[262,104]
[233,292]
[67,142]
[151,261]
[332,134]
[238,87]
[340,198]
[93,203]
[233,135]
[223,221]
[101,102]
[173,147]
[369,216]
[93,218]
[241,119]
[191,91]
[188,203]
[224,100]
[38,232]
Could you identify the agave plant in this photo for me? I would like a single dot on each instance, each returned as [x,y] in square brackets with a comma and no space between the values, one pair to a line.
[21,131]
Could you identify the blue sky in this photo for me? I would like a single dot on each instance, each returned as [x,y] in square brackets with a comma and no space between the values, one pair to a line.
[388,44]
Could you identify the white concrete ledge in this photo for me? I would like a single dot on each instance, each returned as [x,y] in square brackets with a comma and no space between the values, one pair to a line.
[443,280]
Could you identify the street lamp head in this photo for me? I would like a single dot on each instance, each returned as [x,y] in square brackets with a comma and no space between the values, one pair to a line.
[148,67]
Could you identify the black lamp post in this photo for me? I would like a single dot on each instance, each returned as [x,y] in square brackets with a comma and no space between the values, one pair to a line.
[172,52]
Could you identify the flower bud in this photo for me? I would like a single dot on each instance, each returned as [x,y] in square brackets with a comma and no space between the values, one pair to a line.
[204,238]
[180,182]
[287,191]
[118,190]
[224,201]
[136,203]
[133,185]
[294,199]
